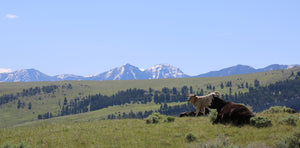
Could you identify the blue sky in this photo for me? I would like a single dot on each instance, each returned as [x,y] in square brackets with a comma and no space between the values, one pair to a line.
[86,37]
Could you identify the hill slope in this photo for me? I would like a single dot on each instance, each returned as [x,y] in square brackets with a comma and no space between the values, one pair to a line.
[136,133]
[49,97]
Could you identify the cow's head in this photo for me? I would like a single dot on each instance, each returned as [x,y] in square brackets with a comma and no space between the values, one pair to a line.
[191,97]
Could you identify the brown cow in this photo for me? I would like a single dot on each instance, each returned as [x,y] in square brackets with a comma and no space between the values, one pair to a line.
[230,112]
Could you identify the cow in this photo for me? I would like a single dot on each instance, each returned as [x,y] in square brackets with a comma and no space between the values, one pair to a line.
[230,112]
[193,113]
[201,102]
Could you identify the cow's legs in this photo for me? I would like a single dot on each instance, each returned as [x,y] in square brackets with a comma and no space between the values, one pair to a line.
[197,111]
[218,119]
[203,111]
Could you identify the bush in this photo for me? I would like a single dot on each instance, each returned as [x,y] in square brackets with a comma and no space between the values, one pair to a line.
[152,119]
[290,142]
[290,120]
[170,119]
[260,122]
[289,110]
[279,109]
[190,137]
[157,117]
[213,115]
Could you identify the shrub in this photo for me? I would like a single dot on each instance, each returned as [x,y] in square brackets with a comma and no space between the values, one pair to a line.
[157,117]
[152,119]
[260,122]
[213,115]
[279,109]
[170,119]
[290,142]
[190,137]
[289,110]
[290,120]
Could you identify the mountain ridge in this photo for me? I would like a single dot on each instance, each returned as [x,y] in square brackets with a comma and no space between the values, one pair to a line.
[130,72]
[244,69]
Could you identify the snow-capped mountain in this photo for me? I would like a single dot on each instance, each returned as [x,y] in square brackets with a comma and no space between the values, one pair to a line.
[125,72]
[69,77]
[164,71]
[130,72]
[25,75]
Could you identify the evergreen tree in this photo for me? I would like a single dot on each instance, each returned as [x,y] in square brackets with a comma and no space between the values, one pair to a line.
[150,90]
[222,85]
[65,101]
[174,91]
[19,104]
[40,117]
[191,90]
[256,83]
[29,105]
[165,90]
[184,90]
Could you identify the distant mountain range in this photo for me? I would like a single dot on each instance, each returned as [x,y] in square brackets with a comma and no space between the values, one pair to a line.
[130,72]
[244,69]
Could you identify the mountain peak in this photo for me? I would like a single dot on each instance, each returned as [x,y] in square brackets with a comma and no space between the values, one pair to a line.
[25,75]
[128,65]
[166,71]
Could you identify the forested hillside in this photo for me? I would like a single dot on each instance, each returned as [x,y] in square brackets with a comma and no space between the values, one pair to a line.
[283,93]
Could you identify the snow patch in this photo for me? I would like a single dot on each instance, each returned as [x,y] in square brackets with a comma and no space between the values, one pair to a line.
[4,70]
[292,66]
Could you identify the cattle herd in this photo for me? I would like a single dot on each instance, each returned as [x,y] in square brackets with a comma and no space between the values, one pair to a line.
[227,111]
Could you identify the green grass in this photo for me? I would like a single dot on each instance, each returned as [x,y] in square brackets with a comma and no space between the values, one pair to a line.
[136,133]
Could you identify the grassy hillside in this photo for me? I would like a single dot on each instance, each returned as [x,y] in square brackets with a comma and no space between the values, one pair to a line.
[52,102]
[136,133]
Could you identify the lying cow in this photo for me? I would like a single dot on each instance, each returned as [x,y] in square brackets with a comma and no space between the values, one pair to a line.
[193,114]
[230,112]
[201,102]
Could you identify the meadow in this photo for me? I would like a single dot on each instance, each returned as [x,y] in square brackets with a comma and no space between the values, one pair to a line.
[136,133]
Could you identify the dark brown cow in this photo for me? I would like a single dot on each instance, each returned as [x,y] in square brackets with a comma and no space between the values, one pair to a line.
[193,114]
[230,112]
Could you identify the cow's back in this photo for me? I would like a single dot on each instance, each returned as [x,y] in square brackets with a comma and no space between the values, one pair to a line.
[236,113]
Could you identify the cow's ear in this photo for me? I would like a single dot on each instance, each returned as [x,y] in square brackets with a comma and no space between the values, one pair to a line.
[195,95]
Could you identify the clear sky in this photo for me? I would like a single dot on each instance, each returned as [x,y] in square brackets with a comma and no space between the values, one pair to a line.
[87,37]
